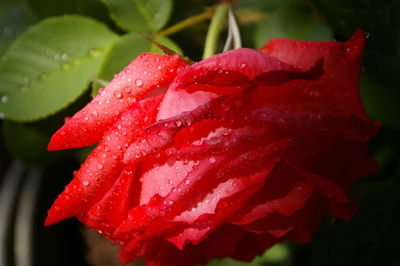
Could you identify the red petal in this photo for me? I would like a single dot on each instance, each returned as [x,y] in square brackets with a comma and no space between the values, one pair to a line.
[147,72]
[340,83]
[230,72]
[106,214]
[104,164]
[177,101]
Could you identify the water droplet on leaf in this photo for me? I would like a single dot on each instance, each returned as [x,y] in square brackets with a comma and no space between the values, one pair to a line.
[4,99]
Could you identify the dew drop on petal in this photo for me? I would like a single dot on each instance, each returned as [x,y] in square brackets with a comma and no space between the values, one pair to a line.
[85,183]
[212,159]
[139,83]
[118,94]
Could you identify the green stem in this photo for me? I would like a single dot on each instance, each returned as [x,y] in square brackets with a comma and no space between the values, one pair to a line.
[217,23]
[186,23]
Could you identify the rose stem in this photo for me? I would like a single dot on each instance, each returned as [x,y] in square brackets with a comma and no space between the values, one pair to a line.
[216,25]
[186,23]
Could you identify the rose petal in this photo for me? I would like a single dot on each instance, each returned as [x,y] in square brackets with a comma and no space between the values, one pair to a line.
[147,72]
[340,85]
[104,164]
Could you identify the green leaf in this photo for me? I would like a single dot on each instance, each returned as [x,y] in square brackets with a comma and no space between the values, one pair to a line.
[142,15]
[124,51]
[277,255]
[294,23]
[166,42]
[49,66]
[50,8]
[14,19]
[28,144]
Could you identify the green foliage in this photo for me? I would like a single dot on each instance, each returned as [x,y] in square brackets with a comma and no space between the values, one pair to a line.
[14,19]
[49,8]
[278,255]
[142,15]
[292,23]
[50,65]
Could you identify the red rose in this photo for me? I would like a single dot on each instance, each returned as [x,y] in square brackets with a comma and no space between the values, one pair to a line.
[244,149]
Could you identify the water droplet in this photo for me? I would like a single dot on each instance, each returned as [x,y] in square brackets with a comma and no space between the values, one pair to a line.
[85,183]
[4,99]
[212,159]
[159,67]
[100,166]
[94,113]
[187,182]
[243,65]
[139,83]
[118,94]
[178,123]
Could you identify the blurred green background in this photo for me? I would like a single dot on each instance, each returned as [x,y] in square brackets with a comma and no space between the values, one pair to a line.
[40,85]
